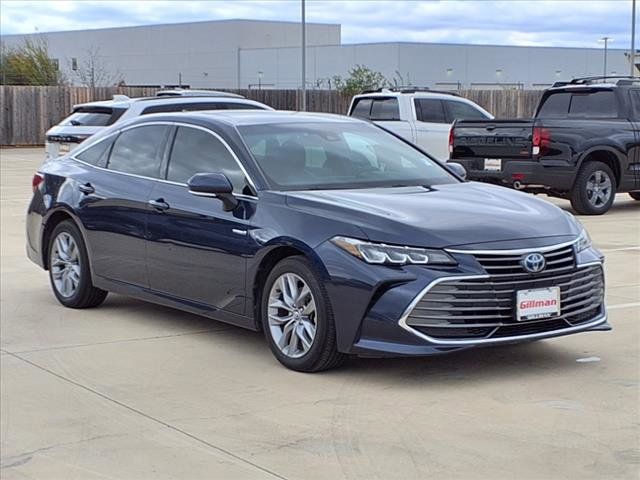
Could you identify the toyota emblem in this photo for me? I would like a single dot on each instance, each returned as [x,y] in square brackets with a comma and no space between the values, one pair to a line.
[533,262]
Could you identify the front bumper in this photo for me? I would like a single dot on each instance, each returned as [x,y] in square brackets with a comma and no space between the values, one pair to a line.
[381,324]
[534,176]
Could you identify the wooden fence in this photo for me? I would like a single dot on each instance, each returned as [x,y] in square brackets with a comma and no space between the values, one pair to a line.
[28,112]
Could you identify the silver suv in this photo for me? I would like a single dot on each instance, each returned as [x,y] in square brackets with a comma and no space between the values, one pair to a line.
[88,119]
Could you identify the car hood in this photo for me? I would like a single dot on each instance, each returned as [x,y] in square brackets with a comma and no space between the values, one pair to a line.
[463,214]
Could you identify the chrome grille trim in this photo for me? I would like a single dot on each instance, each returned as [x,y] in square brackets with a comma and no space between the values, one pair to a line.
[567,309]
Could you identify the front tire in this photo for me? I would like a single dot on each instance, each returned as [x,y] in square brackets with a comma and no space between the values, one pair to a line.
[297,318]
[594,189]
[69,270]
[635,195]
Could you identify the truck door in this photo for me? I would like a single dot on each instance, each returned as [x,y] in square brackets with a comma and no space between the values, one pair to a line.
[634,151]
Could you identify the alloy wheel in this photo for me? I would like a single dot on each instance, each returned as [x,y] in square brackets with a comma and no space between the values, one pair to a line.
[292,315]
[65,264]
[599,188]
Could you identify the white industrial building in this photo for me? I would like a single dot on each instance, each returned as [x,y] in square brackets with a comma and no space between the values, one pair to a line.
[266,54]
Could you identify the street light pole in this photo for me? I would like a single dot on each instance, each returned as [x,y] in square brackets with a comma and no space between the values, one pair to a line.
[606,43]
[304,61]
[632,56]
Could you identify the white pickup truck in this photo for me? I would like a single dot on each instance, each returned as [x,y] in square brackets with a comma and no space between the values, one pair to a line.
[422,116]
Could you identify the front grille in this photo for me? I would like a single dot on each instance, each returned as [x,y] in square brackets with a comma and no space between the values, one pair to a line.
[486,307]
[503,266]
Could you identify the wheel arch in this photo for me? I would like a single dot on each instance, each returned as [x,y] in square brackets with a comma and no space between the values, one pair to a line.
[607,155]
[54,218]
[271,256]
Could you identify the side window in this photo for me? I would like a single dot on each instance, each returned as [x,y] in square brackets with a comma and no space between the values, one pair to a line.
[599,104]
[196,151]
[385,109]
[139,150]
[635,102]
[430,110]
[463,111]
[555,105]
[97,154]
[362,108]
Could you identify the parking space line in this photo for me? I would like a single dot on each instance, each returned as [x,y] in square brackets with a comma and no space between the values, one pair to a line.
[148,417]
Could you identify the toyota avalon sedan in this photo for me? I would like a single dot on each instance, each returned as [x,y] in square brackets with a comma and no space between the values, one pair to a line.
[328,233]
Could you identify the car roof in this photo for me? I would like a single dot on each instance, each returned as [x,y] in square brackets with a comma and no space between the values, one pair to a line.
[122,101]
[417,94]
[249,117]
[182,92]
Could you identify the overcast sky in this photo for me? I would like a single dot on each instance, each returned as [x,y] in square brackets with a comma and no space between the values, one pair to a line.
[575,23]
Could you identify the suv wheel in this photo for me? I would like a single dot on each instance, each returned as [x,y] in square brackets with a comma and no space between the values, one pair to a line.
[297,318]
[635,195]
[69,269]
[594,190]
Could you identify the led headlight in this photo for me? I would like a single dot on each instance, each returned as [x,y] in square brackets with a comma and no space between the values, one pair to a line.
[379,253]
[583,242]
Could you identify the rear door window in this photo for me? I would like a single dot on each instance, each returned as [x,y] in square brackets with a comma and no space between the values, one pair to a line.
[555,105]
[139,150]
[385,109]
[462,111]
[430,110]
[362,108]
[598,104]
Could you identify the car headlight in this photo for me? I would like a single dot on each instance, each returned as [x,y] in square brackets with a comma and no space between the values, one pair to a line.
[379,253]
[583,242]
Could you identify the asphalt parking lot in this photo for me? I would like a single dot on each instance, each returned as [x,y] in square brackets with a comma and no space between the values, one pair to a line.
[134,390]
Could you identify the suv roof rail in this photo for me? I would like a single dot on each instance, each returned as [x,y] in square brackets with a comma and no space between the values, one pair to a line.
[618,79]
[409,89]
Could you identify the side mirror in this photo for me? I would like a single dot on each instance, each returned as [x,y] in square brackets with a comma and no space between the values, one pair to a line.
[213,185]
[458,169]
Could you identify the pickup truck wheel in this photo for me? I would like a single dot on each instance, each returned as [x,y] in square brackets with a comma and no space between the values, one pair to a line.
[635,195]
[594,189]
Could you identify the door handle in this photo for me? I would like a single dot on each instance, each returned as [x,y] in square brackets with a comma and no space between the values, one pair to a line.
[159,204]
[87,188]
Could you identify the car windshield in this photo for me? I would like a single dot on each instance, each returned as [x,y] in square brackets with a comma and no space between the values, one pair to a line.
[335,155]
[90,118]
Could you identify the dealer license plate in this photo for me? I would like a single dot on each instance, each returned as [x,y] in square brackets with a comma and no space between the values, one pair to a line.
[538,303]
[493,164]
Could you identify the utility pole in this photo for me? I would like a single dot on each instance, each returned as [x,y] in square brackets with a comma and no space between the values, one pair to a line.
[304,61]
[606,43]
[632,56]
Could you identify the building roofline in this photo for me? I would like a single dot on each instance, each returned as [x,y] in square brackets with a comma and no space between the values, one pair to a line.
[172,24]
[443,44]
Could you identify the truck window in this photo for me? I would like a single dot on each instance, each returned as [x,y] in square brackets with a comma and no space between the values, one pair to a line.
[361,108]
[598,104]
[430,110]
[385,109]
[555,105]
[463,111]
[635,102]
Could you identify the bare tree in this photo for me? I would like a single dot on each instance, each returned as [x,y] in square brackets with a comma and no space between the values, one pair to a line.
[92,72]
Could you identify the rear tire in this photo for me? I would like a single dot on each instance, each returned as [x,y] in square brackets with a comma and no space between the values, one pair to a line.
[594,189]
[635,195]
[297,318]
[69,270]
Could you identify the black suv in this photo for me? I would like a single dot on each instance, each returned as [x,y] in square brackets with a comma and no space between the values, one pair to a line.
[583,144]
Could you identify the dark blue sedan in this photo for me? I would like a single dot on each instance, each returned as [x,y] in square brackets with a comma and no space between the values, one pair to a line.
[328,233]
